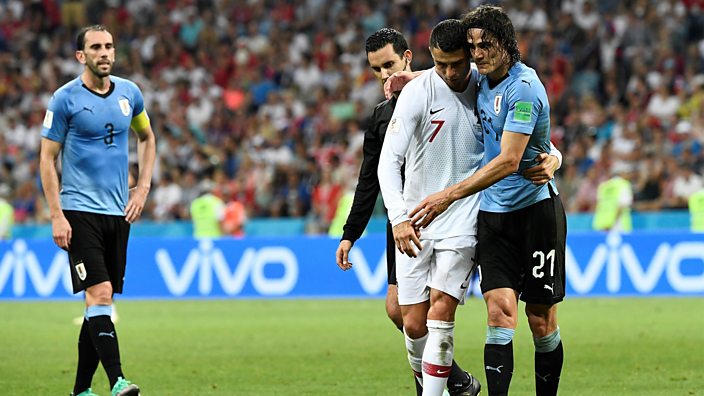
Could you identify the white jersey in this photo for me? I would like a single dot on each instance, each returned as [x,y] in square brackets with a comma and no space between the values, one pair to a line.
[436,131]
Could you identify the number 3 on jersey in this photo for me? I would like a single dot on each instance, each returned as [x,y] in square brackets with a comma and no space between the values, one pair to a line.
[108,140]
[438,124]
[538,269]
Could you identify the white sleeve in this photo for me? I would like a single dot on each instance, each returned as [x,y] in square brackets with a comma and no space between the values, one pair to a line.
[406,118]
[555,152]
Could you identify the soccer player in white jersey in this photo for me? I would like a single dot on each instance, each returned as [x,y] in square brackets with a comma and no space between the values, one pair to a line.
[522,227]
[387,52]
[435,131]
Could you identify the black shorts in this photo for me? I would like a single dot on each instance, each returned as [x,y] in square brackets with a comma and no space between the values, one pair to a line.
[98,249]
[390,255]
[524,251]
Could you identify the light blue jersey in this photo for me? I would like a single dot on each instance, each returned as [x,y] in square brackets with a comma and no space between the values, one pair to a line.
[518,104]
[93,129]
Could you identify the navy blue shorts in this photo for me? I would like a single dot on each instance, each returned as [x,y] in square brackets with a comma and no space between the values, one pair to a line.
[98,249]
[524,250]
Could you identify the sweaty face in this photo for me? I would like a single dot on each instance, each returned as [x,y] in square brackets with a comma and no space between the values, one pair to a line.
[98,53]
[453,67]
[385,62]
[490,59]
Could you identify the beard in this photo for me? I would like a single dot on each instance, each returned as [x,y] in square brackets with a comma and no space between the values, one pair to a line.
[98,71]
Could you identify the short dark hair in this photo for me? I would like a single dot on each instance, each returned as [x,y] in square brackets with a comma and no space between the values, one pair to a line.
[494,20]
[385,36]
[81,36]
[449,35]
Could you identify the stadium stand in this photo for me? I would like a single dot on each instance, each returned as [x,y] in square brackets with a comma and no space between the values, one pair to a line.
[268,99]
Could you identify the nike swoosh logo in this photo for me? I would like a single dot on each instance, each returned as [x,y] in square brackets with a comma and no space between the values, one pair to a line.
[443,371]
[435,111]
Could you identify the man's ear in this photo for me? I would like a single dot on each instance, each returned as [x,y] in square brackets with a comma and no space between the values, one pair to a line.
[81,57]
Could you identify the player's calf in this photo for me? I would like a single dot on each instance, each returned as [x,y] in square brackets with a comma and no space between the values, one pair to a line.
[437,356]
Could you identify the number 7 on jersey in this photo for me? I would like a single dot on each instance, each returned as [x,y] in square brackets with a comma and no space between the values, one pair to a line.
[438,124]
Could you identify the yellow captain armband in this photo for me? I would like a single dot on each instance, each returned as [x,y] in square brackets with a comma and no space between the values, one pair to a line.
[140,121]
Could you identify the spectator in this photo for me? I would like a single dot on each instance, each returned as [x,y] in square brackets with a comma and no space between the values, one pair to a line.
[7,215]
[207,212]
[614,201]
[296,75]
[696,211]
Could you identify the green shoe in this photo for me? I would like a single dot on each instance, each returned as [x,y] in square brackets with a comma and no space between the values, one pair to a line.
[124,388]
[87,392]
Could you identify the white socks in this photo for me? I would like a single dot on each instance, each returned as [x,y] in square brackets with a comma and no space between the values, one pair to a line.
[415,354]
[437,356]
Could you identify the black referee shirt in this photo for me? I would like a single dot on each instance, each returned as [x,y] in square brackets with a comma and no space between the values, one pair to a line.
[368,185]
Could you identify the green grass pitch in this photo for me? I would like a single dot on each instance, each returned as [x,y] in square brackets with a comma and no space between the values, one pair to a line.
[638,346]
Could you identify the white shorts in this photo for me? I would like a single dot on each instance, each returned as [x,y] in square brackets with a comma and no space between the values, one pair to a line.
[443,264]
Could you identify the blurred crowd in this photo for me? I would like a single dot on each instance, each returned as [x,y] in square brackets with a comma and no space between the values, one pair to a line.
[267,100]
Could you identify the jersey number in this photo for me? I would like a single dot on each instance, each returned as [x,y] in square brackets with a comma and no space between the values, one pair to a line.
[538,269]
[109,138]
[438,124]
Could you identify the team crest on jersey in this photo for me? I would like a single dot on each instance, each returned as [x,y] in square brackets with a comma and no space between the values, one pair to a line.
[81,270]
[125,106]
[497,104]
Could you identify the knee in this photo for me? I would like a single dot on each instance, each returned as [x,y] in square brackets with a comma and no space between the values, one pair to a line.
[500,314]
[415,327]
[443,308]
[100,294]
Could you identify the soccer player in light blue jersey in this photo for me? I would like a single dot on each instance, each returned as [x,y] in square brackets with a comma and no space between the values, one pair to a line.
[521,224]
[88,121]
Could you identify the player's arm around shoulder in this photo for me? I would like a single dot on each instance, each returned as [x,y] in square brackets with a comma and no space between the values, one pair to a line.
[395,83]
[146,155]
[512,146]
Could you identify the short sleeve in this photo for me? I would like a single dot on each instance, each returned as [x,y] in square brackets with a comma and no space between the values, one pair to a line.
[55,124]
[524,106]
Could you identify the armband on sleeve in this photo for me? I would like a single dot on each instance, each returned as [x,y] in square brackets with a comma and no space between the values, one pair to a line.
[140,121]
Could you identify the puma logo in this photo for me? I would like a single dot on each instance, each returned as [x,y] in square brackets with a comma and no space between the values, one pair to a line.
[548,287]
[497,369]
[544,379]
[526,81]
